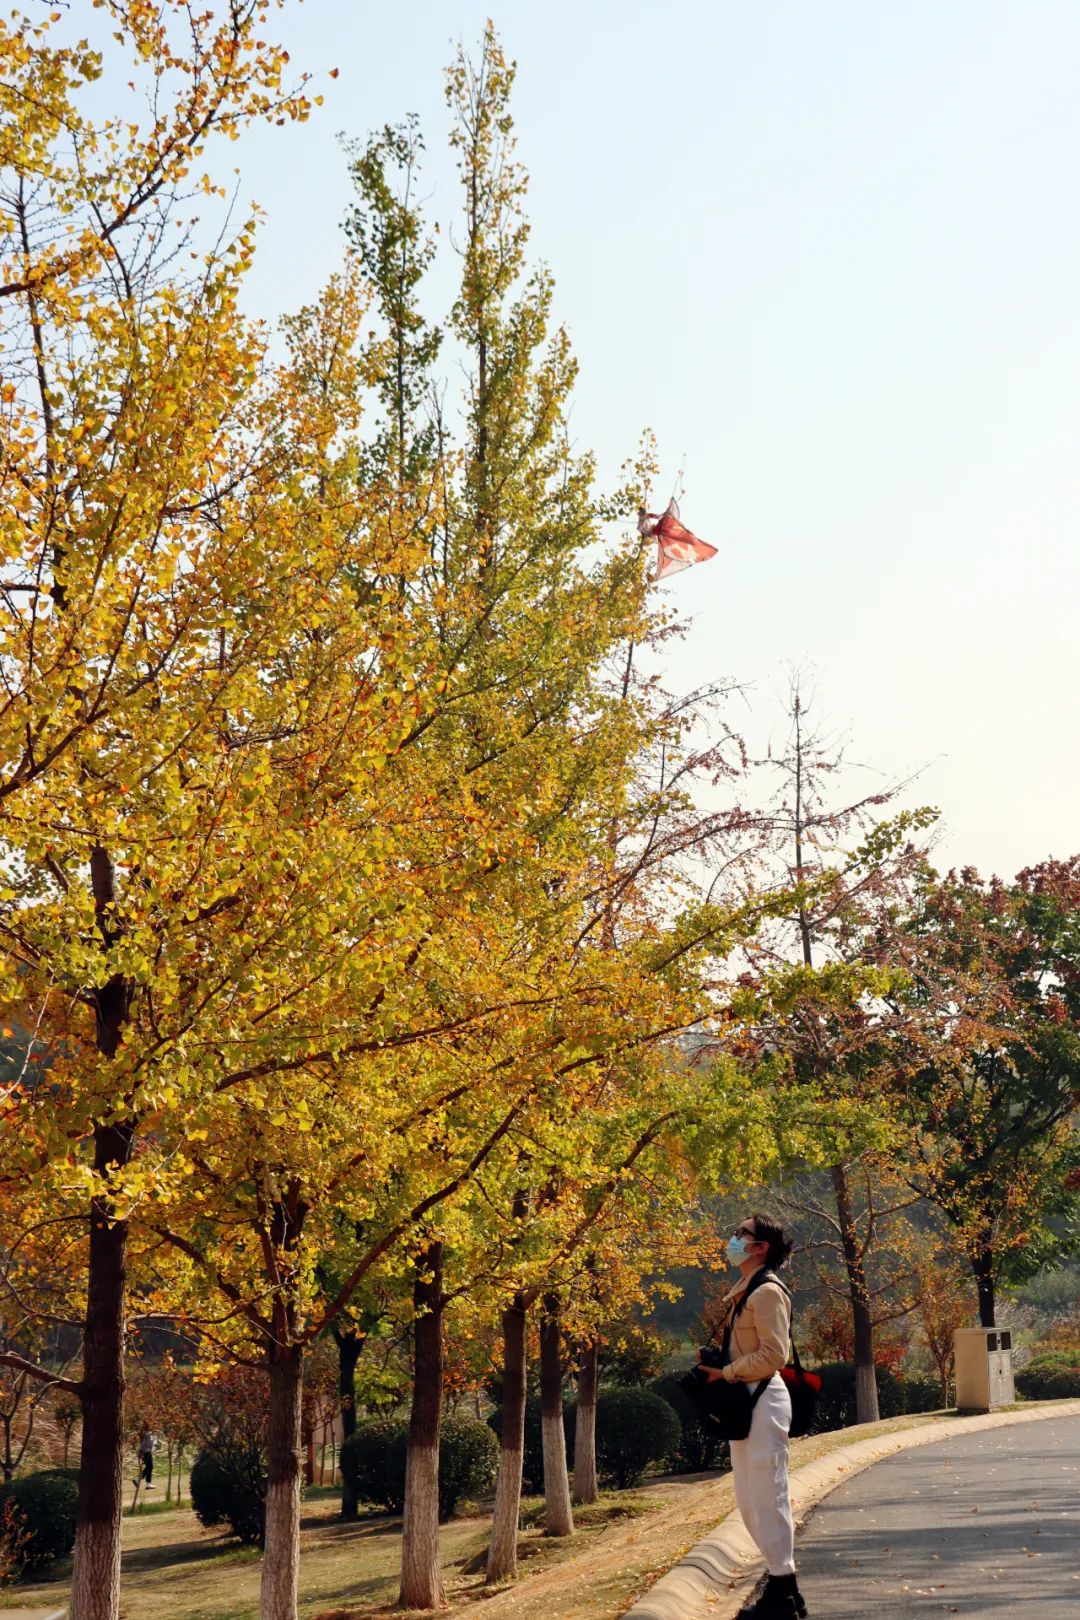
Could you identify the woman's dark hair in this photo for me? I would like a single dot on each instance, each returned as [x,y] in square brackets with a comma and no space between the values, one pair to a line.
[771,1232]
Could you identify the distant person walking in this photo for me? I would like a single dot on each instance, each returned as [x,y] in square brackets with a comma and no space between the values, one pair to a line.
[146,1457]
[759,1310]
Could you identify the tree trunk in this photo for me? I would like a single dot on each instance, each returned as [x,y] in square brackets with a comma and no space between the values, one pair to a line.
[281,1543]
[559,1518]
[421,1574]
[95,1581]
[585,1429]
[982,1264]
[281,1556]
[349,1345]
[866,1396]
[502,1553]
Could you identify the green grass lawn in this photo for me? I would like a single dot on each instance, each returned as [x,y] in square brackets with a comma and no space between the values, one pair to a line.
[173,1569]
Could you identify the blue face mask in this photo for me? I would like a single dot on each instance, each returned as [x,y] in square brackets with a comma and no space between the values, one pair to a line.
[737,1250]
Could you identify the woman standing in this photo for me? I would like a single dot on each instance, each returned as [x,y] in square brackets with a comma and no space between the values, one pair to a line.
[760,1345]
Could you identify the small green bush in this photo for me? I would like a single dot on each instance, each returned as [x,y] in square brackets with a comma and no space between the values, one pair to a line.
[375,1457]
[921,1394]
[699,1446]
[43,1510]
[59,1473]
[468,1461]
[634,1427]
[221,1496]
[836,1403]
[1053,1361]
[373,1461]
[1052,1376]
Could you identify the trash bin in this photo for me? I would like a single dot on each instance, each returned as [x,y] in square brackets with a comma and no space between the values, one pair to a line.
[984,1370]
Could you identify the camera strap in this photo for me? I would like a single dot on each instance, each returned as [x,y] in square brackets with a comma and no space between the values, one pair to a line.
[756,1281]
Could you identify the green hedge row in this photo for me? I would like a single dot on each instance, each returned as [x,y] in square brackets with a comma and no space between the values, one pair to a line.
[896,1396]
[1053,1376]
[39,1526]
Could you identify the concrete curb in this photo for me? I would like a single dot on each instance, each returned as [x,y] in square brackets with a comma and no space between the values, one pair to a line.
[712,1580]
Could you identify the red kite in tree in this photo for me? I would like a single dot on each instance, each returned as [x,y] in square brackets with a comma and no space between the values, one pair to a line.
[676,547]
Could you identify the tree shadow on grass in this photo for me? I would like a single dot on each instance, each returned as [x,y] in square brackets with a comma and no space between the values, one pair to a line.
[162,1554]
[350,1529]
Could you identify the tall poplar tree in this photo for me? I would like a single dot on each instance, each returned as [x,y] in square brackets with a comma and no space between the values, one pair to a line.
[460,824]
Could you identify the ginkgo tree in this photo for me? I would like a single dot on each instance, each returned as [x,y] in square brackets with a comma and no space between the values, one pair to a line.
[310,749]
[160,564]
[463,1011]
[432,844]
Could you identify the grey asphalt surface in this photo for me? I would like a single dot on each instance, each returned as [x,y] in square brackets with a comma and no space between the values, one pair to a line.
[987,1524]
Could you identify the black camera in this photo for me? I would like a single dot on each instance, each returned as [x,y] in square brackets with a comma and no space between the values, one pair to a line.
[709,1356]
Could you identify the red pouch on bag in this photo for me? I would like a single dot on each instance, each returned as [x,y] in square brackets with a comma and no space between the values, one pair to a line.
[804,1389]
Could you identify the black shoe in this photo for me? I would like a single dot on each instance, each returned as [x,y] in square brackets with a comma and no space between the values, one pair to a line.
[790,1583]
[779,1599]
[771,1605]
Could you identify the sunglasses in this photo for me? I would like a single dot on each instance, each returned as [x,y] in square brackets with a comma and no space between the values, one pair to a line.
[746,1232]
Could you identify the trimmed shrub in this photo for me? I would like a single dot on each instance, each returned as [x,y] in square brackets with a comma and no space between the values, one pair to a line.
[836,1403]
[634,1427]
[1053,1376]
[699,1447]
[228,1477]
[532,1467]
[58,1473]
[468,1461]
[921,1394]
[41,1519]
[221,1496]
[373,1461]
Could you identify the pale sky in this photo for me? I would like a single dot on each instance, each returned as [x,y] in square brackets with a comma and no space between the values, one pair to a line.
[830,253]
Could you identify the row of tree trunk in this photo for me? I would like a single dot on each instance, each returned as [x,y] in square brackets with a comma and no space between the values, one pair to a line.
[96,1574]
[95,1587]
[421,1568]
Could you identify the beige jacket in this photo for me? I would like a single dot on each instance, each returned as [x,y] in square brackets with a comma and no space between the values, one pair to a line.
[761,1336]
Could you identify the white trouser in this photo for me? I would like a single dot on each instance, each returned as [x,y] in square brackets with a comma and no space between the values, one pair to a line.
[760,1468]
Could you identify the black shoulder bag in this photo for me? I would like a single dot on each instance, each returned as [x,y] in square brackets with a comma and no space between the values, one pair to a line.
[728,1408]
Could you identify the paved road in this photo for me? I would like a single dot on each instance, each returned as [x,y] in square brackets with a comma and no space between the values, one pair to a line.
[985,1525]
